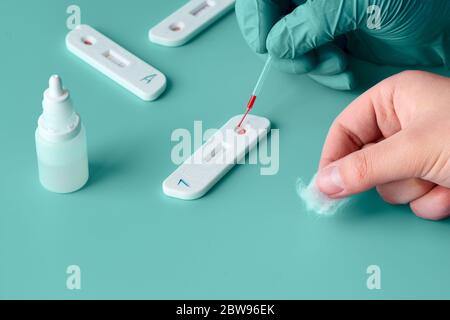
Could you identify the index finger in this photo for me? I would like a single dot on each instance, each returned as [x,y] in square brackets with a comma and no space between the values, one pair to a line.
[368,119]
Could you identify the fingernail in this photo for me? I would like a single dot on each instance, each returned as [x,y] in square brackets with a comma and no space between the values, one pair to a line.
[329,181]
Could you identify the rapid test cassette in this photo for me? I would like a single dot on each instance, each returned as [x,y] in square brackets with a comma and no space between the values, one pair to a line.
[123,67]
[227,147]
[188,21]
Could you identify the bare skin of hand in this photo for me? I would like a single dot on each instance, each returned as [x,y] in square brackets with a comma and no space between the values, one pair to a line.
[395,137]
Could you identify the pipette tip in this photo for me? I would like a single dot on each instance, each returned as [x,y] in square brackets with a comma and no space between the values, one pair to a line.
[258,88]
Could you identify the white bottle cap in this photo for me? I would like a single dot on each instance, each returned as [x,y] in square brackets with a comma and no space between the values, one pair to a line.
[58,122]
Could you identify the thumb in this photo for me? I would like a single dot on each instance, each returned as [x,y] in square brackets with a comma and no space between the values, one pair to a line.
[313,24]
[257,17]
[396,158]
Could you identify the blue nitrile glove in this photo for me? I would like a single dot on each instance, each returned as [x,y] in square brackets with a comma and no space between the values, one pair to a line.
[307,36]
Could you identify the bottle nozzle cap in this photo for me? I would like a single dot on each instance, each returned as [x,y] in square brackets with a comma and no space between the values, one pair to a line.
[58,117]
[55,88]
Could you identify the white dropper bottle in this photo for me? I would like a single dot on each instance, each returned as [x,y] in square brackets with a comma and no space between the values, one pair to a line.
[61,142]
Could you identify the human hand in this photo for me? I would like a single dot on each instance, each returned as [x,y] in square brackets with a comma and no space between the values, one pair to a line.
[302,35]
[395,137]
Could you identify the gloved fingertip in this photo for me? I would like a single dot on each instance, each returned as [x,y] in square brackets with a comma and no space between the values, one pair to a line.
[345,81]
[257,46]
[253,24]
[331,61]
[301,65]
[278,41]
[352,81]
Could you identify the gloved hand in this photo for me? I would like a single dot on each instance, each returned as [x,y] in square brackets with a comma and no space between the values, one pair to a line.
[394,137]
[306,36]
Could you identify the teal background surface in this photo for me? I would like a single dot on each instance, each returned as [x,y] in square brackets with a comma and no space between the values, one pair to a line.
[250,237]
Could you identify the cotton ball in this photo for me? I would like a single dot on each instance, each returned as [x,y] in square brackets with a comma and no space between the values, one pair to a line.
[316,201]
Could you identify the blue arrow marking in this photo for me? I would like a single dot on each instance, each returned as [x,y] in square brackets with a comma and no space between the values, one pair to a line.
[184,182]
[149,78]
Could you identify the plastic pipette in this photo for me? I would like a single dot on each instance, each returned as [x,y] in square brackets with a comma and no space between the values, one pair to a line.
[258,88]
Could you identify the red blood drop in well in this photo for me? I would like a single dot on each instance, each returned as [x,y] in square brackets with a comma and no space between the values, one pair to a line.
[241,131]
